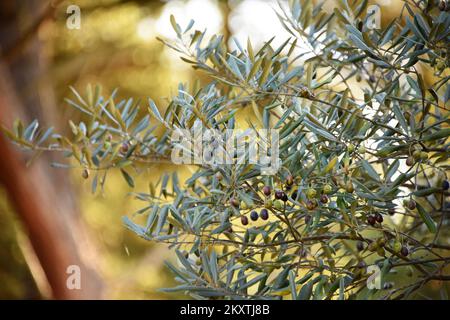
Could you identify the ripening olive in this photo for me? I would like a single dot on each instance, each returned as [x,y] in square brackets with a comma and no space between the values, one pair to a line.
[85,173]
[234,202]
[311,204]
[411,204]
[371,220]
[244,220]
[410,161]
[267,191]
[124,147]
[289,180]
[323,198]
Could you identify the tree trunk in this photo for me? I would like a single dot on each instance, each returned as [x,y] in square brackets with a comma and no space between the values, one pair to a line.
[42,196]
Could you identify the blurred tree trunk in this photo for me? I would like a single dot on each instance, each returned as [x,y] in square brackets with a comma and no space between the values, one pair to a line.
[42,196]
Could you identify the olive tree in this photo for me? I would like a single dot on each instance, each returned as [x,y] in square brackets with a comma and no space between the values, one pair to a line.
[362,141]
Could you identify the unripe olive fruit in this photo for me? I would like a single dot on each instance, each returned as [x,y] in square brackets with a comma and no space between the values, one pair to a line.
[411,204]
[323,198]
[349,187]
[424,155]
[278,204]
[410,161]
[264,214]
[404,251]
[362,150]
[351,147]
[381,252]
[373,246]
[311,193]
[243,205]
[416,154]
[397,246]
[244,220]
[254,215]
[268,204]
[266,190]
[327,189]
[85,173]
[381,242]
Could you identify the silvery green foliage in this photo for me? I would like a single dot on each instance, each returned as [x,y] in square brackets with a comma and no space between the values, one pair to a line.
[329,137]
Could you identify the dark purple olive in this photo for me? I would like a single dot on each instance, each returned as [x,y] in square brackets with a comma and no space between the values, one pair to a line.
[254,215]
[404,251]
[264,214]
[445,185]
[279,194]
[307,218]
[371,220]
[360,246]
[379,217]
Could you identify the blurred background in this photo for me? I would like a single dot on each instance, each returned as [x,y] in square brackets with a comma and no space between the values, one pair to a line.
[114,47]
